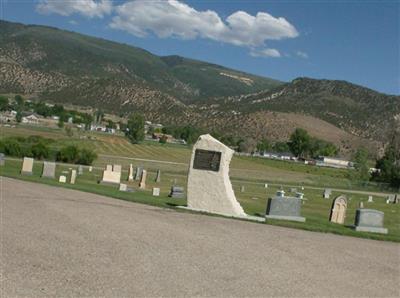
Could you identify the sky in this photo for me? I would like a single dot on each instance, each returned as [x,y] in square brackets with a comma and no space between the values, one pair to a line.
[356,41]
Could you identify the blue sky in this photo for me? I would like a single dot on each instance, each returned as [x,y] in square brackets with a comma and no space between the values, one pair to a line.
[347,40]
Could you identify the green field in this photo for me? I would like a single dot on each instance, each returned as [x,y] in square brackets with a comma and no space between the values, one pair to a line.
[252,173]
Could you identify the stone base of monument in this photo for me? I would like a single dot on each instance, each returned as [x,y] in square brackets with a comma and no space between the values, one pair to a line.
[371,230]
[109,183]
[26,173]
[246,217]
[282,217]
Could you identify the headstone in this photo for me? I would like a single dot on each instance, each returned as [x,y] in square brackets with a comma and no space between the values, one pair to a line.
[293,190]
[242,188]
[158,176]
[27,166]
[142,183]
[156,192]
[62,179]
[369,220]
[73,176]
[177,192]
[284,208]
[266,185]
[80,170]
[209,188]
[299,195]
[397,199]
[361,205]
[110,176]
[90,169]
[117,168]
[338,210]
[280,193]
[130,174]
[2,159]
[138,173]
[391,198]
[327,193]
[370,199]
[123,187]
[49,169]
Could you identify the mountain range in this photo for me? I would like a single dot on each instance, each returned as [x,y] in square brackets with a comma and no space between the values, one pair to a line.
[66,67]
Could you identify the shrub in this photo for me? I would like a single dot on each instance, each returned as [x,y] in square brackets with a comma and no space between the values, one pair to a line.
[68,154]
[86,156]
[40,150]
[12,147]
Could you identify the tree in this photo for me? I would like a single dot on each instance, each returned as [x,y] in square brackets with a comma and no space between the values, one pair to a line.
[18,116]
[389,164]
[322,148]
[281,147]
[86,156]
[68,154]
[60,123]
[361,164]
[3,103]
[263,146]
[40,150]
[299,142]
[19,100]
[69,131]
[135,128]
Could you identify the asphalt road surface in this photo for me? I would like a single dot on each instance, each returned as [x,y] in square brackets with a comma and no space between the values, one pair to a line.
[59,242]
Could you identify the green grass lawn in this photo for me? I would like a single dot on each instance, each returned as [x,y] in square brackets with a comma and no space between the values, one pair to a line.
[253,199]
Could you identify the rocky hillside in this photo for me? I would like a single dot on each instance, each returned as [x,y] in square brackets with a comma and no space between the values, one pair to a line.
[60,66]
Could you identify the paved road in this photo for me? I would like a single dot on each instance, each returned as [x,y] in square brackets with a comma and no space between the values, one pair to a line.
[59,242]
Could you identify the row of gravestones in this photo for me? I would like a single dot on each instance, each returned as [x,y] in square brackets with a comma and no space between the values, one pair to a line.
[391,199]
[49,170]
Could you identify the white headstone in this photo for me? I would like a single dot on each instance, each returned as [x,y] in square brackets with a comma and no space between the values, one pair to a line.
[361,204]
[110,176]
[109,168]
[266,185]
[209,187]
[117,168]
[62,179]
[142,183]
[90,169]
[130,175]
[123,187]
[27,166]
[370,199]
[156,191]
[73,176]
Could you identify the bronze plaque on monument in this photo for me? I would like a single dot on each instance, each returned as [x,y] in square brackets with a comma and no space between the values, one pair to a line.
[206,160]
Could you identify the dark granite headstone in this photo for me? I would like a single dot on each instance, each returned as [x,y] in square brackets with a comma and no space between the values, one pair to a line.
[370,220]
[138,173]
[286,208]
[177,192]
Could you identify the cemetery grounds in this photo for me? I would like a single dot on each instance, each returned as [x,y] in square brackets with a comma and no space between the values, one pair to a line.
[252,173]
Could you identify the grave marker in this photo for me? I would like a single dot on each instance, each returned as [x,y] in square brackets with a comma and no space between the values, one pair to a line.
[27,166]
[2,159]
[209,187]
[142,183]
[156,192]
[369,220]
[73,176]
[110,176]
[62,179]
[80,170]
[123,187]
[49,169]
[130,174]
[327,193]
[284,208]
[338,210]
[177,192]
[158,176]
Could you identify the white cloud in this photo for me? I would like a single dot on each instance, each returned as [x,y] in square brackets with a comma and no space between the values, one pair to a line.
[176,19]
[87,8]
[302,54]
[274,53]
[73,22]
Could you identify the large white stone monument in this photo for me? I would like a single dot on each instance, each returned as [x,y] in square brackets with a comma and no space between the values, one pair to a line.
[27,166]
[112,175]
[209,187]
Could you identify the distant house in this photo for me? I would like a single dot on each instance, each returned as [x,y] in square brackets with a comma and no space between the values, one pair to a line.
[279,155]
[98,127]
[158,136]
[31,119]
[334,162]
[7,116]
